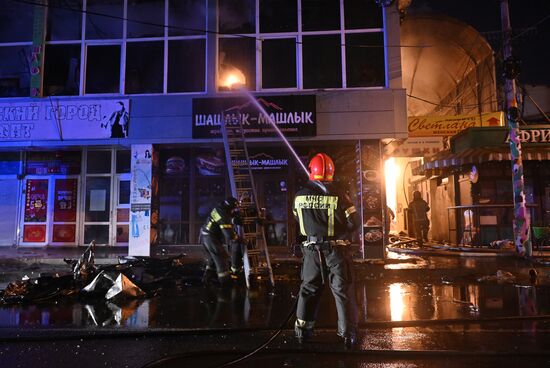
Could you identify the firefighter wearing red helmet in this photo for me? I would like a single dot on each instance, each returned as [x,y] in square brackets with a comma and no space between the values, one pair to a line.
[326,217]
[217,234]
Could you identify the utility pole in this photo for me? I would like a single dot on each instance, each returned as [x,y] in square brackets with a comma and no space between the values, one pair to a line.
[521,226]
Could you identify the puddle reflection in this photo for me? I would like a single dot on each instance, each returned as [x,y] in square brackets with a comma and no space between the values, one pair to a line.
[195,306]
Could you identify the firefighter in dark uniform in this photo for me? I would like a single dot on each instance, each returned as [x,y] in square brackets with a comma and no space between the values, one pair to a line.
[419,209]
[326,216]
[217,231]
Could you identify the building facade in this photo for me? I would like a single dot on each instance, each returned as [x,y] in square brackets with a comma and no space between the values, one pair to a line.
[98,96]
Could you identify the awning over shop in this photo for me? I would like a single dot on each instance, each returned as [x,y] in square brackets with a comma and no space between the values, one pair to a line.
[473,156]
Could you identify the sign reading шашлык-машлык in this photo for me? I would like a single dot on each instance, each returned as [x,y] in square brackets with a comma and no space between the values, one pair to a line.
[294,115]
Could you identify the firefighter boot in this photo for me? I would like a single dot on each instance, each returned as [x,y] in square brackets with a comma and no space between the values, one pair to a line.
[350,341]
[303,330]
[209,276]
[237,273]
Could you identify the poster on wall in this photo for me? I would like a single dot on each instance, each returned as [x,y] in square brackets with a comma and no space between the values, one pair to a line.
[210,162]
[34,233]
[140,230]
[36,199]
[142,172]
[65,200]
[64,233]
[142,189]
[55,119]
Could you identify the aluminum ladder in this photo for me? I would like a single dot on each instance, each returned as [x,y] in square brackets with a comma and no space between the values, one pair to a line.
[256,261]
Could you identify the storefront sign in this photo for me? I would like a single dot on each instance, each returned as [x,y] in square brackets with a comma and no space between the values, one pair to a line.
[415,146]
[430,126]
[532,136]
[36,200]
[294,116]
[64,120]
[265,161]
[37,50]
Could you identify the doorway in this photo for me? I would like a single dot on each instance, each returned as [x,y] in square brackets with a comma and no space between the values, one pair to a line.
[50,210]
[273,196]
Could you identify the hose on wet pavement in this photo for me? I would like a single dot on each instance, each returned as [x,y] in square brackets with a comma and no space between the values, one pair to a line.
[59,334]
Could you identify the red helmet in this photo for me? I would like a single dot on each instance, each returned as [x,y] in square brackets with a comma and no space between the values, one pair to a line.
[321,167]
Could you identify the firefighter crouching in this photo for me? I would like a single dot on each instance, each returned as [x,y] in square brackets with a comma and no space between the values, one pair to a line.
[217,231]
[325,217]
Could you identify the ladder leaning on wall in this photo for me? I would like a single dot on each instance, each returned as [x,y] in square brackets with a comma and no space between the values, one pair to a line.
[257,264]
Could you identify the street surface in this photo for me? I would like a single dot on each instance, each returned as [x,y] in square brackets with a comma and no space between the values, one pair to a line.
[414,312]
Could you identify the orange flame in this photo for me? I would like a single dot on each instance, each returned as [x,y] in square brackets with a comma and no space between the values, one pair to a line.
[231,77]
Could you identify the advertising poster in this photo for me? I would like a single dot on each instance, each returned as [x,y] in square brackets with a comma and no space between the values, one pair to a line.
[64,233]
[141,186]
[65,200]
[142,172]
[70,119]
[36,199]
[34,233]
[140,230]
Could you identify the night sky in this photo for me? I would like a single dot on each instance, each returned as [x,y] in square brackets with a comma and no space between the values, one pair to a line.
[531,47]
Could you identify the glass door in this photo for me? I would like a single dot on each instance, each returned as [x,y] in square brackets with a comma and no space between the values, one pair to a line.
[273,197]
[98,209]
[122,210]
[35,216]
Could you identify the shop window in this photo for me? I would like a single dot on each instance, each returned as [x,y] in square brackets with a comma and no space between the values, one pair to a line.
[504,192]
[9,163]
[279,63]
[237,16]
[99,233]
[186,17]
[98,162]
[240,54]
[362,14]
[123,161]
[46,163]
[16,21]
[365,65]
[327,74]
[320,15]
[278,16]
[174,197]
[210,192]
[64,20]
[186,66]
[107,26]
[14,71]
[144,67]
[145,18]
[124,192]
[98,199]
[62,70]
[103,69]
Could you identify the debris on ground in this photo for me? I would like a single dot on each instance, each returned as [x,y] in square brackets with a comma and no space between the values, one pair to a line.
[500,276]
[502,244]
[132,277]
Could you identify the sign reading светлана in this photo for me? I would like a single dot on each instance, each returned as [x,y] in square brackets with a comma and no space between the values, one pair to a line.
[294,115]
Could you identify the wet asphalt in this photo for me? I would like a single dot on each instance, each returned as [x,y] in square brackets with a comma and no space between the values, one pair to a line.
[413,312]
